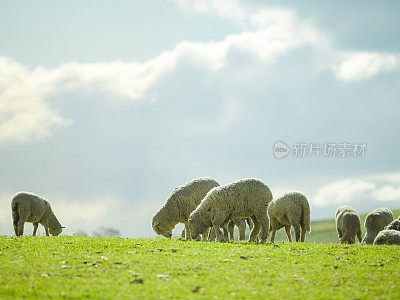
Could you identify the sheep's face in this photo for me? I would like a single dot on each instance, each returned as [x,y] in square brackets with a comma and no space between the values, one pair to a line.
[161,228]
[196,227]
[348,240]
[55,231]
[369,239]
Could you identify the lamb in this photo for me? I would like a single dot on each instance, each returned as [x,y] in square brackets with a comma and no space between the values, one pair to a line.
[291,209]
[348,225]
[237,200]
[387,237]
[28,207]
[180,203]
[375,222]
[394,225]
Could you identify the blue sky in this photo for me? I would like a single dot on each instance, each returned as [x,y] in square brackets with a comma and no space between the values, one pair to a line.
[105,108]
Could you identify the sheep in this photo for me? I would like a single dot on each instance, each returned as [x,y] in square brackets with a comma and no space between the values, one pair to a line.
[28,207]
[375,222]
[237,200]
[348,225]
[387,237]
[291,209]
[180,203]
[394,225]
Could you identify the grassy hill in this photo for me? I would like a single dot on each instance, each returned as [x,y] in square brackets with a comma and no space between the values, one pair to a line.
[324,231]
[107,268]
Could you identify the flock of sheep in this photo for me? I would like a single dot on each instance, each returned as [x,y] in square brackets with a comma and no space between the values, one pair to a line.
[204,207]
[379,224]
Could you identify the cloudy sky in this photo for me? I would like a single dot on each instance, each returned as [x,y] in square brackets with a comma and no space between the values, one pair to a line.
[106,106]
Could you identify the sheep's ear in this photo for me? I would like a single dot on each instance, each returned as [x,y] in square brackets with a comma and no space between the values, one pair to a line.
[62,226]
[156,223]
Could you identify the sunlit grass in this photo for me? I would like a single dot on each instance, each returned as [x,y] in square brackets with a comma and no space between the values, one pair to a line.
[82,267]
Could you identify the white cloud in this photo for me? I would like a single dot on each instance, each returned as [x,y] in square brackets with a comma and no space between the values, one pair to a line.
[342,192]
[24,115]
[377,188]
[27,115]
[232,9]
[356,66]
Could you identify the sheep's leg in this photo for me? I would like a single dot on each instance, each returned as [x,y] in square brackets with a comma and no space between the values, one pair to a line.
[231,225]
[297,231]
[35,226]
[264,222]
[217,222]
[255,230]
[273,236]
[20,226]
[15,223]
[225,231]
[47,230]
[15,217]
[187,231]
[183,233]
[289,235]
[340,233]
[303,235]
[211,234]
[359,235]
[242,230]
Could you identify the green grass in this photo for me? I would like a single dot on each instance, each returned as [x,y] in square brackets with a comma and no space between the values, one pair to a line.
[324,231]
[106,268]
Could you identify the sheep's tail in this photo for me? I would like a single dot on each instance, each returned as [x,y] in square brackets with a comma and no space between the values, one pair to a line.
[306,216]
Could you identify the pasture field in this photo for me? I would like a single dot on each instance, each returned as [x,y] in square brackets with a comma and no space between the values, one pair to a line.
[105,268]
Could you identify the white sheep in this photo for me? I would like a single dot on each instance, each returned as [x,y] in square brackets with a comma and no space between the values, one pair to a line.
[375,222]
[348,225]
[28,207]
[237,200]
[394,225]
[387,237]
[291,209]
[180,203]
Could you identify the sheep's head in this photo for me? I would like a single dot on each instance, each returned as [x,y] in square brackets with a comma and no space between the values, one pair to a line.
[56,230]
[395,225]
[368,239]
[55,227]
[162,228]
[196,227]
[347,239]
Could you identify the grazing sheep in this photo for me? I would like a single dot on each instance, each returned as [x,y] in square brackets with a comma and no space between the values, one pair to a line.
[28,207]
[387,237]
[375,222]
[237,200]
[394,225]
[291,209]
[180,203]
[348,225]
